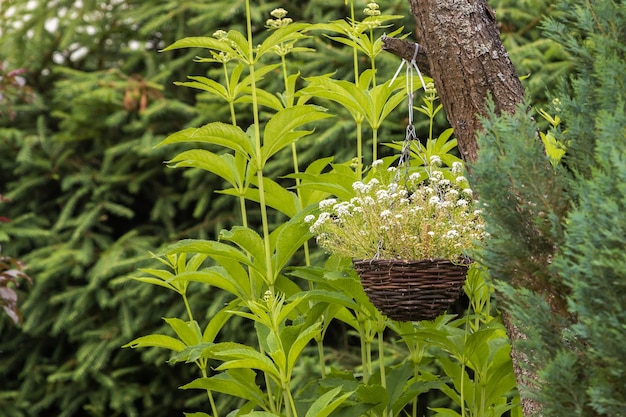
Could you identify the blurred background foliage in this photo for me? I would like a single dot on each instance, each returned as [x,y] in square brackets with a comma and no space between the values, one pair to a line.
[90,196]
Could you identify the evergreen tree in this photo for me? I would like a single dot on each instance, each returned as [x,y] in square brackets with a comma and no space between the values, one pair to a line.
[560,231]
[91,196]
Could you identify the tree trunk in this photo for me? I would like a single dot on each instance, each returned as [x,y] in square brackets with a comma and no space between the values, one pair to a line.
[461,50]
[461,47]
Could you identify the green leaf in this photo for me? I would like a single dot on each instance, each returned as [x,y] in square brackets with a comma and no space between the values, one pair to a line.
[345,93]
[332,298]
[208,85]
[282,35]
[445,412]
[216,133]
[248,240]
[157,340]
[218,277]
[240,43]
[278,197]
[455,372]
[287,238]
[235,382]
[156,281]
[188,331]
[280,130]
[304,337]
[326,404]
[201,42]
[247,358]
[215,250]
[217,321]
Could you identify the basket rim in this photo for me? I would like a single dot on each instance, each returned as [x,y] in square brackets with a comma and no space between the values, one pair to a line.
[462,261]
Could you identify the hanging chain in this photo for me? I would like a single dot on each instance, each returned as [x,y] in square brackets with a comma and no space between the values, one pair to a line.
[404,161]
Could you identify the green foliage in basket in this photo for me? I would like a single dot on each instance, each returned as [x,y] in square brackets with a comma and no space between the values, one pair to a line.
[408,219]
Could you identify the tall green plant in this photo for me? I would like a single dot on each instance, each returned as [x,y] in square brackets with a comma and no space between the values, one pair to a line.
[254,268]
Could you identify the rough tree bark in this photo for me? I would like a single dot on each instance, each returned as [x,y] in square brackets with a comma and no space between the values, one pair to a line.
[461,50]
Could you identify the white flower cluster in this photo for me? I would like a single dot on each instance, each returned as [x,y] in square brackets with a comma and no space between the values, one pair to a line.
[422,220]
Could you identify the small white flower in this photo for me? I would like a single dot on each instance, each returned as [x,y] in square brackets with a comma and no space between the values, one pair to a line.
[279,13]
[320,220]
[452,194]
[452,234]
[309,218]
[435,160]
[460,179]
[457,167]
[468,191]
[385,213]
[327,203]
[437,175]
[434,200]
[431,233]
[382,195]
[391,169]
[359,186]
[343,209]
[377,162]
[462,203]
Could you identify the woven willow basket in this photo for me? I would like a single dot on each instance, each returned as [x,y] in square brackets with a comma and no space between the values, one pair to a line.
[411,290]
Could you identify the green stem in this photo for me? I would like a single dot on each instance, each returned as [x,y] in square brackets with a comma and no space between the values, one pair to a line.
[231,104]
[363,339]
[375,144]
[355,56]
[290,404]
[373,58]
[233,120]
[415,376]
[257,139]
[320,354]
[381,361]
[187,306]
[359,149]
[463,361]
[203,366]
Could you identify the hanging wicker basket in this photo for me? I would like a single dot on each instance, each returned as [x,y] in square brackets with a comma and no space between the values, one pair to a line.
[412,290]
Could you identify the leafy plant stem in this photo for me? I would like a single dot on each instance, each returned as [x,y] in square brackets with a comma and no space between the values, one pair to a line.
[363,339]
[372,58]
[381,359]
[257,140]
[375,144]
[355,56]
[187,306]
[415,376]
[209,393]
[463,361]
[359,149]
[231,104]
